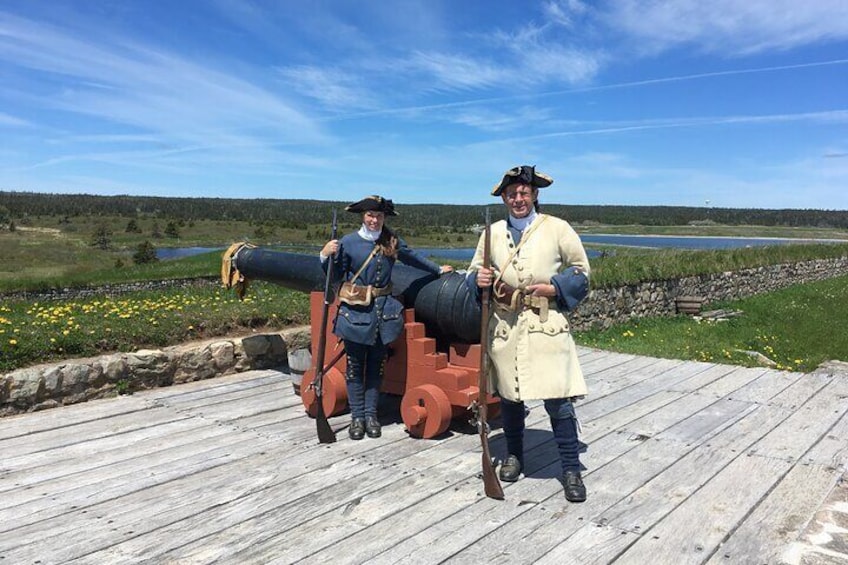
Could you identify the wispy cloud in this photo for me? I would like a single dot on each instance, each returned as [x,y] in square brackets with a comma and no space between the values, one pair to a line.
[120,82]
[333,88]
[826,117]
[732,27]
[12,121]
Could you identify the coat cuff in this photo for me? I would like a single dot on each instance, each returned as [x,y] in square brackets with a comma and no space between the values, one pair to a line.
[572,287]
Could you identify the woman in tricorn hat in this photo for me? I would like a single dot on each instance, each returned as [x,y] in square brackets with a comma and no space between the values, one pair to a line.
[369,317]
[539,271]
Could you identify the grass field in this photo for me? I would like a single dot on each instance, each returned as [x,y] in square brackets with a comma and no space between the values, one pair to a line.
[793,327]
[797,328]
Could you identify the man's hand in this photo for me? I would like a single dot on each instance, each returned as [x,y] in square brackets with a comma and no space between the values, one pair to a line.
[484,277]
[546,290]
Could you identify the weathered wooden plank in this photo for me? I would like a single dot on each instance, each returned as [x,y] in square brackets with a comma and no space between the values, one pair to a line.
[614,378]
[77,435]
[217,385]
[389,460]
[241,525]
[40,503]
[662,435]
[711,374]
[462,529]
[592,543]
[630,472]
[768,385]
[55,419]
[724,501]
[668,373]
[803,388]
[807,424]
[695,529]
[199,401]
[832,449]
[544,525]
[604,361]
[59,464]
[765,535]
[657,497]
[733,381]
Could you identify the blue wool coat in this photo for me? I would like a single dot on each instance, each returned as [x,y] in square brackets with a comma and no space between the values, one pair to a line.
[383,318]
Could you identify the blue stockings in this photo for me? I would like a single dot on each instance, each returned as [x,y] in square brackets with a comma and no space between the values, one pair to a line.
[364,375]
[563,424]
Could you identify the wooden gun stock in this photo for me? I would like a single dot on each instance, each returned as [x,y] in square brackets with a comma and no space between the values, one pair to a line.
[325,432]
[491,484]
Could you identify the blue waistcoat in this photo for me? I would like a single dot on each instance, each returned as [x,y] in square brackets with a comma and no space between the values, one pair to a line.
[383,318]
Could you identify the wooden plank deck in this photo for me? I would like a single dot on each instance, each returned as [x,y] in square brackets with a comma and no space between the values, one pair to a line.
[687,463]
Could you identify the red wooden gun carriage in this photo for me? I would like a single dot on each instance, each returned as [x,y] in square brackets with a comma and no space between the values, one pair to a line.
[434,365]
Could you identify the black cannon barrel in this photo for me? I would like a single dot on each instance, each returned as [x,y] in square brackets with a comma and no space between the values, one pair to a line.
[444,304]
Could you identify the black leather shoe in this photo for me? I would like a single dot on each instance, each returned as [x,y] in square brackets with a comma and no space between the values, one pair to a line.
[510,469]
[372,426]
[357,428]
[575,490]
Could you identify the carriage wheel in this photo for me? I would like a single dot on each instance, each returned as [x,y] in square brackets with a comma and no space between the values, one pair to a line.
[334,393]
[426,411]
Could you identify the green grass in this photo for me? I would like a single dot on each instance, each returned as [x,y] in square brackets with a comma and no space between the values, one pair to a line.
[633,266]
[35,332]
[798,328]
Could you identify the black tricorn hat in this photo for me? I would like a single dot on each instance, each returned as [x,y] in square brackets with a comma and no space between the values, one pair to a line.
[526,174]
[373,203]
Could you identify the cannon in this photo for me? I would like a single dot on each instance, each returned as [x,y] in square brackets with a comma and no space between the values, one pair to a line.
[433,366]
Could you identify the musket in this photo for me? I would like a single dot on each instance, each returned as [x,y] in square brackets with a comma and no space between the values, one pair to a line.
[492,485]
[325,432]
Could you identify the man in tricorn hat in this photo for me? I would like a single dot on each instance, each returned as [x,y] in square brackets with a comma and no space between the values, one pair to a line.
[369,318]
[539,270]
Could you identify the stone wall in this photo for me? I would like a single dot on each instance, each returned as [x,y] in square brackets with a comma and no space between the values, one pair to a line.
[47,386]
[608,306]
[51,385]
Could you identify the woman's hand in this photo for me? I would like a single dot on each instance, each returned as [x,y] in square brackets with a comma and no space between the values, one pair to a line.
[330,248]
[445,269]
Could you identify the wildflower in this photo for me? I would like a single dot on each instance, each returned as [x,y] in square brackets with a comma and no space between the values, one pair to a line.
[13,342]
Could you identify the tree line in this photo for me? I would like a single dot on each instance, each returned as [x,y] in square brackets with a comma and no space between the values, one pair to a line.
[300,214]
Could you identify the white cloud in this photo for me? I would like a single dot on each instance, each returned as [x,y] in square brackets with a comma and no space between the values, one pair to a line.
[12,121]
[334,88]
[153,90]
[732,27]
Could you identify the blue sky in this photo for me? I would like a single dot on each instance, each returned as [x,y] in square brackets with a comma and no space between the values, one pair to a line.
[728,103]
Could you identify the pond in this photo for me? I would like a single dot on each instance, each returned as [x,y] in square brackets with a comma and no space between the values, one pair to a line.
[650,241]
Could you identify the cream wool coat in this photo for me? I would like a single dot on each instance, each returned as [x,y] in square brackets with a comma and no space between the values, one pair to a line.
[533,360]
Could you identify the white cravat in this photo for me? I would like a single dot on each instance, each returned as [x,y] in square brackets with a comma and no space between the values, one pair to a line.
[367,234]
[521,223]
[364,233]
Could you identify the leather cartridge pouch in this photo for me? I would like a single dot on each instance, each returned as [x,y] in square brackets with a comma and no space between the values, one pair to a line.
[354,295]
[359,295]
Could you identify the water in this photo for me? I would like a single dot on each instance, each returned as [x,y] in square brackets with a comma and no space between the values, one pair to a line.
[650,241]
[688,242]
[165,253]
